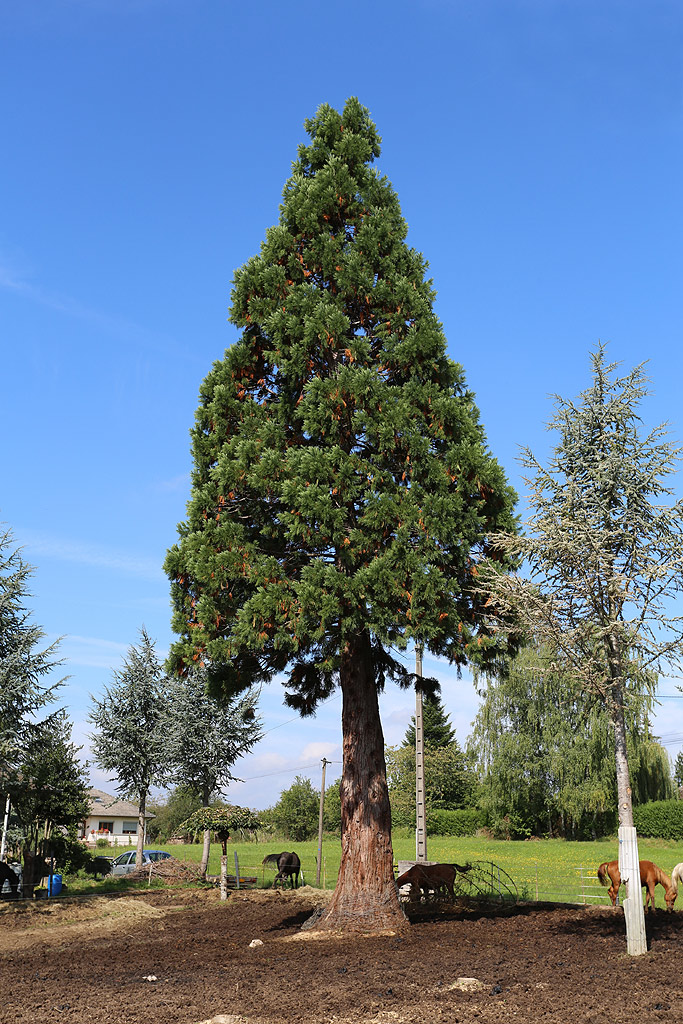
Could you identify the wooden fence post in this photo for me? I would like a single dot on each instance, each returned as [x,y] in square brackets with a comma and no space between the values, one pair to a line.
[629,868]
[237,871]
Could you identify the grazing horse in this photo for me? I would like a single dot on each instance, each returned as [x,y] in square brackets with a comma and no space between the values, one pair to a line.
[7,875]
[676,876]
[650,876]
[288,866]
[425,877]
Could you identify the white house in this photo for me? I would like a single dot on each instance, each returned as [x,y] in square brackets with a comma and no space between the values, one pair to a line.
[111,818]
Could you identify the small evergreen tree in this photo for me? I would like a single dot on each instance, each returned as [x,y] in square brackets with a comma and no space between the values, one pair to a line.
[23,665]
[342,486]
[168,813]
[437,729]
[130,722]
[678,770]
[205,737]
[52,790]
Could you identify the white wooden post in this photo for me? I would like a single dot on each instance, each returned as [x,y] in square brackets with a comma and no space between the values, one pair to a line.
[237,871]
[224,877]
[629,869]
[3,843]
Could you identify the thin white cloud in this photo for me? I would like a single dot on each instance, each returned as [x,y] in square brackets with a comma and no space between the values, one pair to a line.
[176,483]
[316,752]
[84,553]
[91,651]
[118,327]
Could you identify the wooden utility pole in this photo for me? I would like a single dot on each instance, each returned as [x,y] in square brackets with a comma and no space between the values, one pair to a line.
[320,825]
[420,808]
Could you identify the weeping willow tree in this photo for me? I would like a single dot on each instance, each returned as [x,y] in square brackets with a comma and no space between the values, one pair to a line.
[546,757]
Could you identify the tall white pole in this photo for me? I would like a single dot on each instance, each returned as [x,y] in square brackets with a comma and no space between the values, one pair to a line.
[3,843]
[420,808]
[320,825]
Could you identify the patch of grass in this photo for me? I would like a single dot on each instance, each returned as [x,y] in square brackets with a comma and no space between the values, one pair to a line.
[549,869]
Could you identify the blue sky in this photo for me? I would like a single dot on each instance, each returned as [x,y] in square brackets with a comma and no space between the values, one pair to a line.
[535,146]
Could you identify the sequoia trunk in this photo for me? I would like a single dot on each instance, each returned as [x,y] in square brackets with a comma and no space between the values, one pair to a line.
[366,897]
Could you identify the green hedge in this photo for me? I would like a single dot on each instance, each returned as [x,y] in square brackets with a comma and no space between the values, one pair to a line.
[454,823]
[661,819]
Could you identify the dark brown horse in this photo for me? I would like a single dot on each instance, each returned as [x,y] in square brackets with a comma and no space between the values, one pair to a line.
[288,866]
[7,875]
[434,877]
[650,876]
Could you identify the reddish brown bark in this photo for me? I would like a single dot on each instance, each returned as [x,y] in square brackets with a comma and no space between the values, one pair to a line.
[366,897]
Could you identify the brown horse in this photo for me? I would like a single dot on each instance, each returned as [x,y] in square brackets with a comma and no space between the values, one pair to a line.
[650,876]
[425,877]
[288,867]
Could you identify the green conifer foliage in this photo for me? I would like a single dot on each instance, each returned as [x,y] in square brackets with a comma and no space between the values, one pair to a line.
[342,486]
[436,725]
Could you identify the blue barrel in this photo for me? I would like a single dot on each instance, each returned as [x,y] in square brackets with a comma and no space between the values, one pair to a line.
[54,885]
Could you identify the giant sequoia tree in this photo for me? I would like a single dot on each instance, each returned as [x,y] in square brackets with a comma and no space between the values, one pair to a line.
[342,487]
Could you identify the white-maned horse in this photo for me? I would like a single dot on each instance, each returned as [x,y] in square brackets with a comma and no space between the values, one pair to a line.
[676,877]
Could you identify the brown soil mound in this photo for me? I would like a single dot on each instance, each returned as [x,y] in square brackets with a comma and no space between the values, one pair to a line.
[183,956]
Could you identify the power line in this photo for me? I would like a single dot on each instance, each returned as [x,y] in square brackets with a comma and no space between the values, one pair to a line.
[297,718]
[284,771]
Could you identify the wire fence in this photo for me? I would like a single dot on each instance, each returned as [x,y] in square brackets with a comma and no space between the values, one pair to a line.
[578,885]
[534,883]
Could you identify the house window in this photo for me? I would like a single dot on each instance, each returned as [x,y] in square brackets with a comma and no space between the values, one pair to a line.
[105,826]
[130,827]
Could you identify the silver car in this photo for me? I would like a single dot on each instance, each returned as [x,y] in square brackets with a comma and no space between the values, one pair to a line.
[125,862]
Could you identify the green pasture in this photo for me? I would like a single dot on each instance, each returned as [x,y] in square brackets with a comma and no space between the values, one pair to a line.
[553,870]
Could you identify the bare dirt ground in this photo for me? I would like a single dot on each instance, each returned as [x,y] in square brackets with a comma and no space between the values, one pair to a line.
[90,960]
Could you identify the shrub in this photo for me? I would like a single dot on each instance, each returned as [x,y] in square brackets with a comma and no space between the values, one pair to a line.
[510,826]
[464,822]
[661,819]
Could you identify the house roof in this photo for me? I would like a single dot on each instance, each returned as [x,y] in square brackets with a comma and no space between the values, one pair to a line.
[104,804]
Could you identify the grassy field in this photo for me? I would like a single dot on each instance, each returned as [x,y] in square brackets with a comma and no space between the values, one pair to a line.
[552,870]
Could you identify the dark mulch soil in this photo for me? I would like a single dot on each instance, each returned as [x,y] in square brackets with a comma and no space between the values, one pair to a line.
[71,961]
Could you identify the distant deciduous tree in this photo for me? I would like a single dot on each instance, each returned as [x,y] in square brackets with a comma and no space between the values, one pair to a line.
[332,808]
[296,813]
[223,821]
[168,813]
[130,740]
[450,781]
